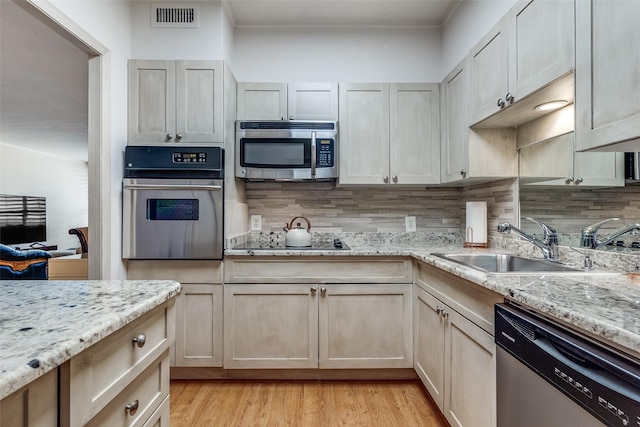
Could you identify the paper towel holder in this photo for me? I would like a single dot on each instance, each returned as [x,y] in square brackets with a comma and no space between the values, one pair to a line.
[470,244]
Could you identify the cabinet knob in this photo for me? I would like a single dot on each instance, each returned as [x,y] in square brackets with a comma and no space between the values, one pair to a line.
[445,313]
[385,179]
[569,180]
[439,310]
[132,408]
[501,103]
[313,290]
[509,98]
[169,137]
[290,117]
[323,291]
[140,340]
[463,172]
[178,136]
[282,118]
[579,180]
[394,178]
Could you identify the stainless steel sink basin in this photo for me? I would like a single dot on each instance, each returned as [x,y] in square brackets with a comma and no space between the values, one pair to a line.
[508,264]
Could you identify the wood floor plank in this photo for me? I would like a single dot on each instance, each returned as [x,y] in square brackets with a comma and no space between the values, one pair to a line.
[197,403]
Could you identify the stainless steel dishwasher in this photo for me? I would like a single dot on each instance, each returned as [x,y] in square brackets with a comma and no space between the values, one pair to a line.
[550,376]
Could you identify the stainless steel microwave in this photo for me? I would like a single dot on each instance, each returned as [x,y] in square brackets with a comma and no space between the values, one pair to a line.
[286,150]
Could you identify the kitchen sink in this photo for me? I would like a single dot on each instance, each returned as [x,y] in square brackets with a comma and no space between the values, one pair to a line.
[508,264]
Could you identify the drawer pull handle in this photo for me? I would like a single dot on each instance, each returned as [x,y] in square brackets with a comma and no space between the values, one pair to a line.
[140,340]
[132,408]
[313,290]
[323,291]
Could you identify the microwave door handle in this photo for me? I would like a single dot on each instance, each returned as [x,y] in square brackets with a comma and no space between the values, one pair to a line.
[313,155]
[172,187]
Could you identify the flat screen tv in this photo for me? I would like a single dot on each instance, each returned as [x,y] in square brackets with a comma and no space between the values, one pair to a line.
[23,219]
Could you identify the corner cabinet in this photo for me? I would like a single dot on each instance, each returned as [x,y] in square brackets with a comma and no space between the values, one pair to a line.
[607,85]
[509,64]
[389,133]
[198,337]
[471,155]
[454,346]
[175,101]
[283,314]
[282,101]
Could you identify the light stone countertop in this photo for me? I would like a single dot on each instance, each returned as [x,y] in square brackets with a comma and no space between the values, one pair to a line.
[606,306]
[45,323]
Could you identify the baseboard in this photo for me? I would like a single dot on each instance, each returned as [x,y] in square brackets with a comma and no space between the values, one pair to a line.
[180,373]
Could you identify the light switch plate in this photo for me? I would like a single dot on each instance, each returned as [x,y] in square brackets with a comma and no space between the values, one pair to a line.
[410,223]
[256,222]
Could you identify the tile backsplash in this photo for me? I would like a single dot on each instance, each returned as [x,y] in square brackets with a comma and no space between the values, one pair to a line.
[332,209]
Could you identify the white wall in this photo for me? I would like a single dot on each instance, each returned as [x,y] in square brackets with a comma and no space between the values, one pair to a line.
[468,24]
[109,22]
[204,42]
[62,181]
[336,54]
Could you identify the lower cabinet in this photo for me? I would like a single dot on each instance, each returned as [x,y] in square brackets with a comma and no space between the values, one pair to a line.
[454,357]
[198,341]
[35,405]
[327,326]
[124,379]
[199,326]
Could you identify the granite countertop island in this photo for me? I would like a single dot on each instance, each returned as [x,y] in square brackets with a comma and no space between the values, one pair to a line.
[604,305]
[45,323]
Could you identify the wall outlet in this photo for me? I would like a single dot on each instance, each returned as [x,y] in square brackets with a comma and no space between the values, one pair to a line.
[256,222]
[410,223]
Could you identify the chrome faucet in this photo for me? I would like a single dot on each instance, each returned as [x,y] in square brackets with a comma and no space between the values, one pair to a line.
[589,238]
[548,245]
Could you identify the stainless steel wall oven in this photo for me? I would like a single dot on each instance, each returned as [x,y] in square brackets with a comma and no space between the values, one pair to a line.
[172,203]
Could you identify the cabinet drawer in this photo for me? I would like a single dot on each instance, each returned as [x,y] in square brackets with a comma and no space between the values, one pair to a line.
[318,270]
[161,417]
[97,375]
[146,393]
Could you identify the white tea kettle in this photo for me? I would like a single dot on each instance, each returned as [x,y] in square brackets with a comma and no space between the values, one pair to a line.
[297,235]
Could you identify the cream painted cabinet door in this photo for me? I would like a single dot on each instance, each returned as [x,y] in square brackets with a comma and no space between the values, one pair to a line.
[541,44]
[152,100]
[262,101]
[365,326]
[607,85]
[199,325]
[270,326]
[199,102]
[313,101]
[428,336]
[364,133]
[175,101]
[455,124]
[489,65]
[35,405]
[470,373]
[414,146]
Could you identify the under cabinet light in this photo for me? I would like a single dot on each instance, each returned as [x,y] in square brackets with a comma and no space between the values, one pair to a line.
[551,105]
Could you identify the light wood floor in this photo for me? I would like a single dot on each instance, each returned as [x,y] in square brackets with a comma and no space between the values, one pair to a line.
[301,404]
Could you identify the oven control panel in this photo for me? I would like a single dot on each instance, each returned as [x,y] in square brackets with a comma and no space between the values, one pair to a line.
[180,157]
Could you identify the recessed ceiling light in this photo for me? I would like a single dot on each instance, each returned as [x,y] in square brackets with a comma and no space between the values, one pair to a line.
[551,105]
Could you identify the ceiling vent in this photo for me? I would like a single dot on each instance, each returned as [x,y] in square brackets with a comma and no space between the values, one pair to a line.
[174,15]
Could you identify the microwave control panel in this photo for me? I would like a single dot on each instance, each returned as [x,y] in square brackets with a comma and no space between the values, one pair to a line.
[325,149]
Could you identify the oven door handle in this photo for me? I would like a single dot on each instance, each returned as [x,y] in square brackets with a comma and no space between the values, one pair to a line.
[172,187]
[313,155]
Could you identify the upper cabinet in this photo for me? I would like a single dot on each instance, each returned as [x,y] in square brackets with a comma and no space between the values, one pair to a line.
[531,47]
[554,163]
[607,84]
[389,133]
[293,101]
[471,155]
[175,101]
